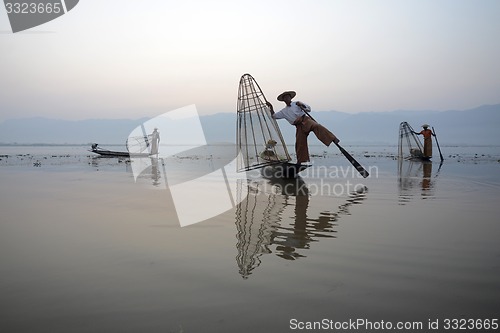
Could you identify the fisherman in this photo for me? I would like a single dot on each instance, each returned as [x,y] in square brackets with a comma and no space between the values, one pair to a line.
[295,113]
[155,141]
[427,133]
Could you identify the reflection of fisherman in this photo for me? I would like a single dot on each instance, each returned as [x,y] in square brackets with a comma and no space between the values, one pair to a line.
[155,173]
[155,141]
[295,113]
[288,241]
[261,222]
[427,133]
[418,176]
[426,180]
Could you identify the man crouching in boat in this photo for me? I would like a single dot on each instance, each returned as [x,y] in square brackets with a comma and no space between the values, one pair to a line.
[295,113]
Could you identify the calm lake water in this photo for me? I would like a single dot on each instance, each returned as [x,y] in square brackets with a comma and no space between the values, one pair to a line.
[89,245]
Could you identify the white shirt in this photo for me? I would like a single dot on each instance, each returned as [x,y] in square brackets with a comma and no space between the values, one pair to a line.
[291,112]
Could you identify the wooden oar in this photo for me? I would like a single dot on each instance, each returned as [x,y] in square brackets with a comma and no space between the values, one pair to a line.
[351,159]
[437,143]
[355,163]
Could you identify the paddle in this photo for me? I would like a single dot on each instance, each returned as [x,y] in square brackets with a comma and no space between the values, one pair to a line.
[355,163]
[437,143]
[351,159]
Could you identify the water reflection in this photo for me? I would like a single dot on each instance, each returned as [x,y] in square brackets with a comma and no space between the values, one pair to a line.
[98,162]
[415,178]
[155,172]
[274,219]
[151,168]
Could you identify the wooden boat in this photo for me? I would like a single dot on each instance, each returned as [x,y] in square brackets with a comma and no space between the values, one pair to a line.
[112,153]
[283,170]
[417,155]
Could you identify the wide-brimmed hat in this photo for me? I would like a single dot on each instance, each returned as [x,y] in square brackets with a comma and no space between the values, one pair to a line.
[425,125]
[291,93]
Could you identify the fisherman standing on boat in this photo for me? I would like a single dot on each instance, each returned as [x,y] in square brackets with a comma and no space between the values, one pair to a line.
[155,141]
[295,113]
[427,133]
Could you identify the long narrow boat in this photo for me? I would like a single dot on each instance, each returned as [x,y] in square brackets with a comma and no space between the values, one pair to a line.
[112,153]
[283,170]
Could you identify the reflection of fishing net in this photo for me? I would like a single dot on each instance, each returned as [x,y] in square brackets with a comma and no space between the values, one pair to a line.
[256,220]
[409,144]
[139,144]
[415,178]
[258,137]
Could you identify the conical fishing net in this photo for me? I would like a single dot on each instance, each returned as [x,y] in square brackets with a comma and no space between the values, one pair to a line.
[139,144]
[259,139]
[409,145]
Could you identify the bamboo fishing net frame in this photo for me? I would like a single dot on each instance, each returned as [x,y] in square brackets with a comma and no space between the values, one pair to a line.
[409,145]
[256,127]
[138,144]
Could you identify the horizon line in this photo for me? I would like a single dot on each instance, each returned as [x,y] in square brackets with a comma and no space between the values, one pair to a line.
[219,113]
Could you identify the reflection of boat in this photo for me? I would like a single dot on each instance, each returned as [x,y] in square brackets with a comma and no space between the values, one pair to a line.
[415,175]
[259,140]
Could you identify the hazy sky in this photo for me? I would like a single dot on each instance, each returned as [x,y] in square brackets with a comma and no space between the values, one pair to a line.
[132,59]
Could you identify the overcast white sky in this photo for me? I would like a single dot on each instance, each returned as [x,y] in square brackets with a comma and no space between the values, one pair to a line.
[132,59]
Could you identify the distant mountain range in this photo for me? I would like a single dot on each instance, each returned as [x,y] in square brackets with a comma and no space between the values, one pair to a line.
[478,126]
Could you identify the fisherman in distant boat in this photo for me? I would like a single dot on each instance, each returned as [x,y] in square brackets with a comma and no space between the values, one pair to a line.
[427,133]
[155,141]
[295,114]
